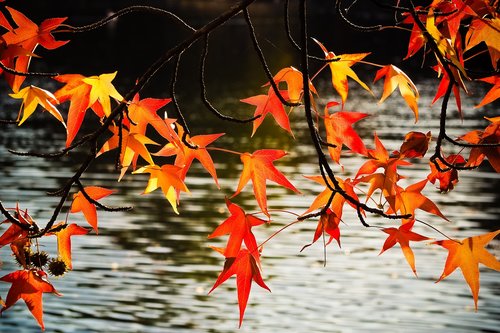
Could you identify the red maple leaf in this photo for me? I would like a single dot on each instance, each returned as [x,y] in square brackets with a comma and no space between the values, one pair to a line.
[403,235]
[328,222]
[28,285]
[246,267]
[239,227]
[269,103]
[449,178]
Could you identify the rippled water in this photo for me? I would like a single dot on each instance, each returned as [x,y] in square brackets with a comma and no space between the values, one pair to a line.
[150,270]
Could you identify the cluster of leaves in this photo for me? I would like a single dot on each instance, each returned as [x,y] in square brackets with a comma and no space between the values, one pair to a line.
[450,30]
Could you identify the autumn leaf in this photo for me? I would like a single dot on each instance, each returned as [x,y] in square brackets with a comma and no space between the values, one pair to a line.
[294,81]
[449,178]
[338,200]
[143,112]
[11,234]
[458,10]
[83,93]
[491,135]
[340,68]
[339,132]
[32,97]
[406,201]
[444,83]
[328,222]
[417,39]
[29,286]
[168,178]
[466,255]
[396,78]
[485,30]
[64,242]
[239,227]
[185,155]
[132,146]
[26,37]
[444,45]
[403,235]
[494,93]
[81,204]
[415,144]
[379,158]
[15,232]
[259,167]
[246,268]
[269,104]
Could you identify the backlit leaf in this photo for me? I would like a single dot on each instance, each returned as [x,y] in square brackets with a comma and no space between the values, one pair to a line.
[32,97]
[259,167]
[467,254]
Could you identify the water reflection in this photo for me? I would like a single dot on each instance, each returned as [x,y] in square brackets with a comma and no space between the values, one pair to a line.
[150,270]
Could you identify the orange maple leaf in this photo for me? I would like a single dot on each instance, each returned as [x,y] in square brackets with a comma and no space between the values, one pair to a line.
[269,103]
[403,235]
[295,85]
[26,37]
[340,68]
[28,285]
[86,92]
[491,135]
[396,78]
[64,241]
[132,146]
[143,112]
[185,155]
[410,199]
[444,45]
[246,267]
[466,255]
[239,227]
[259,167]
[494,93]
[81,204]
[385,181]
[339,132]
[32,97]
[483,29]
[168,178]
[338,200]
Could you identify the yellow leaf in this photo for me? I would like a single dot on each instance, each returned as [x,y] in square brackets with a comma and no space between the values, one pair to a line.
[395,77]
[32,97]
[341,69]
[102,90]
[167,178]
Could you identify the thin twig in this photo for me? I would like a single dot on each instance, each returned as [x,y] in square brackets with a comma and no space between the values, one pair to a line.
[204,98]
[262,59]
[124,11]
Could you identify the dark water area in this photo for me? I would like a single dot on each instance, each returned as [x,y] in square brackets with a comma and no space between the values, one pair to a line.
[150,270]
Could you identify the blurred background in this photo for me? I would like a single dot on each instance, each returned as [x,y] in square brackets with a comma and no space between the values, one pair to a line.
[150,270]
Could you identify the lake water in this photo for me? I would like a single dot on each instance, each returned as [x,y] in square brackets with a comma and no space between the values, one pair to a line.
[150,270]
